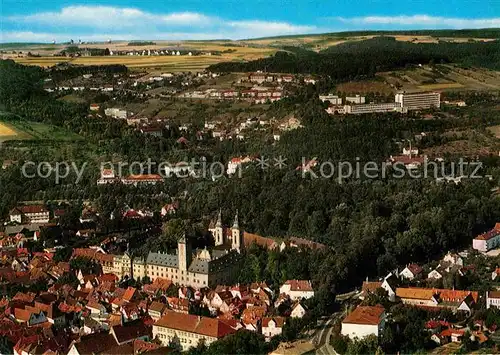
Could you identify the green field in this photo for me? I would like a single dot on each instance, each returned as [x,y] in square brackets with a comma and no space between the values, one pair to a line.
[27,130]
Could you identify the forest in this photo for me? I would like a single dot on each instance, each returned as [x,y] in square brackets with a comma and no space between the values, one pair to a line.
[360,59]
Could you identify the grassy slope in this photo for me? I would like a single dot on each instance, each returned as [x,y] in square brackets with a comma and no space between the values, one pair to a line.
[27,130]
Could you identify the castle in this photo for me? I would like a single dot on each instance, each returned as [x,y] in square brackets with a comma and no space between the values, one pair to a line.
[196,268]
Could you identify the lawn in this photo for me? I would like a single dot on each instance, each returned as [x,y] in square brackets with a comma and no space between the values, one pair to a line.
[27,130]
[9,132]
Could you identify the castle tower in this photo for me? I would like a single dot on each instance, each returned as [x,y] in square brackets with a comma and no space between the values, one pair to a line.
[219,230]
[236,234]
[184,253]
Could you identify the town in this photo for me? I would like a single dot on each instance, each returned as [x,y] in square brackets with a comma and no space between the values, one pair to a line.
[332,193]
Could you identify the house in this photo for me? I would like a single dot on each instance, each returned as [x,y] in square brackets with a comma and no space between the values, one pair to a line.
[257,77]
[456,300]
[29,214]
[410,272]
[364,321]
[272,326]
[434,274]
[298,310]
[369,287]
[389,284]
[488,240]
[251,317]
[295,242]
[408,162]
[150,179]
[97,343]
[297,289]
[31,316]
[169,209]
[187,330]
[235,163]
[156,310]
[131,331]
[495,274]
[492,299]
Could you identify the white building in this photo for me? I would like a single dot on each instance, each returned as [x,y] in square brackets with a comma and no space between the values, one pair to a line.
[488,240]
[418,100]
[235,163]
[355,99]
[187,330]
[116,113]
[297,289]
[410,272]
[408,151]
[453,259]
[180,169]
[298,311]
[272,326]
[333,99]
[372,108]
[364,321]
[493,299]
[29,214]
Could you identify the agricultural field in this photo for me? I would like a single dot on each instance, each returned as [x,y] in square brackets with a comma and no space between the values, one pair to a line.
[27,130]
[442,77]
[323,41]
[495,130]
[8,132]
[170,63]
[468,143]
[363,87]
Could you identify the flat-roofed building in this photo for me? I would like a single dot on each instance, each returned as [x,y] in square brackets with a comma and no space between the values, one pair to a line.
[333,99]
[373,108]
[355,99]
[419,100]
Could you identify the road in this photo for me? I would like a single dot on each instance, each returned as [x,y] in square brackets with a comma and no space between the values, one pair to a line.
[322,338]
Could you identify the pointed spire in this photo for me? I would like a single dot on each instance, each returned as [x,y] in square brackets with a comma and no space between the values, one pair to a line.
[236,224]
[219,219]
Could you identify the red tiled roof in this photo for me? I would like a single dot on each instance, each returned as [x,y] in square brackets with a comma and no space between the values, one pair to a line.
[415,269]
[143,177]
[365,315]
[249,239]
[279,321]
[92,254]
[406,160]
[492,233]
[29,209]
[299,285]
[194,324]
[441,294]
[371,286]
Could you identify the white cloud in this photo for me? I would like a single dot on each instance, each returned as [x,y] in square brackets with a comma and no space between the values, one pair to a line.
[110,17]
[30,36]
[128,23]
[263,28]
[93,23]
[423,21]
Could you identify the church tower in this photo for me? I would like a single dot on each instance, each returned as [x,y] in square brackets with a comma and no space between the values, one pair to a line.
[184,253]
[236,234]
[219,230]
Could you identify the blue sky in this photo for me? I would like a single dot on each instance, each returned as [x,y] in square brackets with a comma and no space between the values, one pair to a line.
[61,20]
